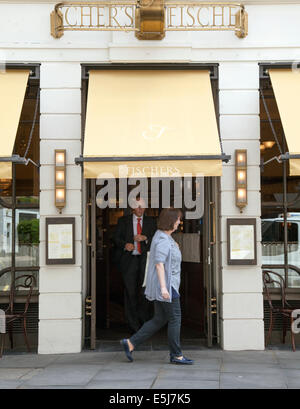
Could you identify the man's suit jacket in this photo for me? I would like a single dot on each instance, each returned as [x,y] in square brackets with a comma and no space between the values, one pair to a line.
[124,234]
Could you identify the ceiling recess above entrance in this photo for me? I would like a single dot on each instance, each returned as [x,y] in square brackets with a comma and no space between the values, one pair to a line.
[149,19]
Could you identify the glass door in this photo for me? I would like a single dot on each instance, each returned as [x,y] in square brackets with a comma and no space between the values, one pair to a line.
[210,251]
[90,305]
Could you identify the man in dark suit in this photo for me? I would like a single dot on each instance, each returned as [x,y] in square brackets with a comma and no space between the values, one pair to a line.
[132,238]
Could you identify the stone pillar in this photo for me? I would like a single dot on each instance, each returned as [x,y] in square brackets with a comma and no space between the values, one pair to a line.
[242,325]
[60,301]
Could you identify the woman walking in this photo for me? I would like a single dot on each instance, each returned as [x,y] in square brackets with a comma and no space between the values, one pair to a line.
[162,287]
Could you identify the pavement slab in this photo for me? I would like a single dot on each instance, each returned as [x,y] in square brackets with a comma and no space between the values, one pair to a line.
[199,384]
[213,369]
[25,360]
[252,381]
[289,363]
[130,373]
[56,375]
[7,374]
[10,384]
[120,384]
[188,373]
[241,367]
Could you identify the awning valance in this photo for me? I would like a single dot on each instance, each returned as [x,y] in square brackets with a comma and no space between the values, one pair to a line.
[12,92]
[286,86]
[147,123]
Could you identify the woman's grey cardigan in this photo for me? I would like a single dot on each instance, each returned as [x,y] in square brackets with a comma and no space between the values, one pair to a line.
[160,252]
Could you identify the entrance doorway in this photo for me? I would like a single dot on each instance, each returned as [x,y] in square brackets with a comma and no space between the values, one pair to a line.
[198,240]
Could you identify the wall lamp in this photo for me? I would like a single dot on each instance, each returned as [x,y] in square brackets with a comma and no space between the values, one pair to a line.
[60,178]
[241,178]
[268,144]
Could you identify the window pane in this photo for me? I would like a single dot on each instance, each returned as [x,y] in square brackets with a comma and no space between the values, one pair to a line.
[272,241]
[28,145]
[22,281]
[6,192]
[276,283]
[5,280]
[5,237]
[27,237]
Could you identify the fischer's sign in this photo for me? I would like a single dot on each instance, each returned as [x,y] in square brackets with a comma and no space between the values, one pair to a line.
[149,19]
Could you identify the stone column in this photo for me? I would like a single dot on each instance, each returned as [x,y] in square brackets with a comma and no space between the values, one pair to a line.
[60,301]
[241,286]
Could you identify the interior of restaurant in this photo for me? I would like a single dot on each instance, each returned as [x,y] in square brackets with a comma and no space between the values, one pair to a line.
[278,187]
[111,322]
[19,218]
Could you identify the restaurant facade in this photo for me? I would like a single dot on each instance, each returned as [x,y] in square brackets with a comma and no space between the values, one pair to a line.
[204,93]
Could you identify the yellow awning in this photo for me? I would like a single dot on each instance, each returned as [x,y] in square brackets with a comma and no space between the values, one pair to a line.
[12,92]
[286,86]
[151,123]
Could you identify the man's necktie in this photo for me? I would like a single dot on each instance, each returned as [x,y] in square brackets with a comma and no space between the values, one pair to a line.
[139,231]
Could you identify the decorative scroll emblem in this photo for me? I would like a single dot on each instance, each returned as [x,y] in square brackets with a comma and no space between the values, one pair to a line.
[150,19]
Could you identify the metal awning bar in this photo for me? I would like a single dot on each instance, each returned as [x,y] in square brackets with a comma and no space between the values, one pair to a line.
[211,67]
[81,158]
[13,159]
[287,156]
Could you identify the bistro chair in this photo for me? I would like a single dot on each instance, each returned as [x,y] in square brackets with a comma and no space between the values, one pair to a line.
[285,310]
[27,282]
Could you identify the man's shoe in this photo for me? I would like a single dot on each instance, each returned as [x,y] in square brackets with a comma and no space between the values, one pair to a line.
[183,361]
[125,346]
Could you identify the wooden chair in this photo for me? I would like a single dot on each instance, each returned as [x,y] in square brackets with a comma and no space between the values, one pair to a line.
[27,282]
[285,310]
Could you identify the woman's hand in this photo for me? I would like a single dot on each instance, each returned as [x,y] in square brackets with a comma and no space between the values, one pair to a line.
[165,293]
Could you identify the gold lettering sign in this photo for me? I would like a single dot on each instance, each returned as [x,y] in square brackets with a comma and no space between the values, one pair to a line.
[149,19]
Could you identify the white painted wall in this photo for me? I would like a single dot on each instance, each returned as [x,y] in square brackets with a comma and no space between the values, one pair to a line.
[274,33]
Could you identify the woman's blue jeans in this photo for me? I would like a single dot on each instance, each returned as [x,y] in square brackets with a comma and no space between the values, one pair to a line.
[164,312]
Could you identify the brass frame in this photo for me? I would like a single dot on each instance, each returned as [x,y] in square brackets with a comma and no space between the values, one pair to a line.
[149,20]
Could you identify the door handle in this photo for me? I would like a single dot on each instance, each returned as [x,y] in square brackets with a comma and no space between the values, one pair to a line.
[88,306]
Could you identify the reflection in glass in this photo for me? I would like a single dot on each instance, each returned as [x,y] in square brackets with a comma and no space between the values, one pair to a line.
[5,280]
[22,281]
[279,193]
[22,194]
[27,237]
[5,237]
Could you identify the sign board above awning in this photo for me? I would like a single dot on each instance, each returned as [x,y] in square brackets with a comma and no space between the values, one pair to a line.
[149,19]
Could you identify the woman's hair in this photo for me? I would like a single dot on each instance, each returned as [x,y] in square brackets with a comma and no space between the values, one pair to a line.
[167,218]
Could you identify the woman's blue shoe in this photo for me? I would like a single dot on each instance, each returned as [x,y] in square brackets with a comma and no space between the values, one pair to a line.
[125,346]
[183,361]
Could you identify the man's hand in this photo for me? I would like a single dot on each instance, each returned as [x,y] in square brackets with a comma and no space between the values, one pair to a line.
[129,246]
[140,237]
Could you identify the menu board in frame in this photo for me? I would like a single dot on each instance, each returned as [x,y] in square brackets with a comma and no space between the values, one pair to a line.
[60,240]
[241,242]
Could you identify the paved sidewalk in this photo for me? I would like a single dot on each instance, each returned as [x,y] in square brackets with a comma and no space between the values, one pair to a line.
[213,369]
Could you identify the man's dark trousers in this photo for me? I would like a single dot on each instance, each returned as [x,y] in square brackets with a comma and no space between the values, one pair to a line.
[137,308]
